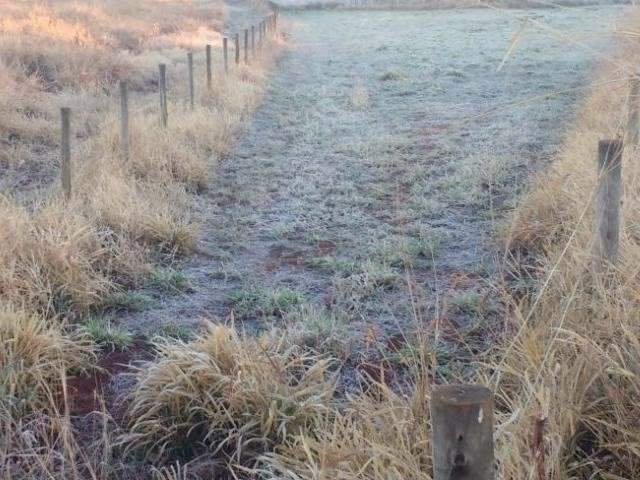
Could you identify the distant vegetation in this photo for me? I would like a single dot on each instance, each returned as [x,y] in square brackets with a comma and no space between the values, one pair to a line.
[438,4]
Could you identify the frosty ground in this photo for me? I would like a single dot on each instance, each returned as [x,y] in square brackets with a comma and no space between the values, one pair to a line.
[361,202]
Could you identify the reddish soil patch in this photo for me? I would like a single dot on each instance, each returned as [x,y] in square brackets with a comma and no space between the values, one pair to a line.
[87,392]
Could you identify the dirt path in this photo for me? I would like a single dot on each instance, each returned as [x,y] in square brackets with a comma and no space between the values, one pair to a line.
[364,196]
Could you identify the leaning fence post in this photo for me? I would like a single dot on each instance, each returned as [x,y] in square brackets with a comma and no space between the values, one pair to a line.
[65,151]
[124,119]
[237,42]
[246,45]
[609,192]
[633,126]
[462,424]
[209,72]
[191,83]
[164,111]
[225,53]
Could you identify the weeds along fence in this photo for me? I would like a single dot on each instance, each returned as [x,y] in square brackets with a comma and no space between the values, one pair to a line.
[462,415]
[253,49]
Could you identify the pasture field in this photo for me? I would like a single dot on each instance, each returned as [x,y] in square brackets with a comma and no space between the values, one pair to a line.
[381,202]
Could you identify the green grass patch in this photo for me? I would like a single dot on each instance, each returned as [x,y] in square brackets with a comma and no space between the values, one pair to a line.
[168,280]
[260,302]
[132,301]
[106,335]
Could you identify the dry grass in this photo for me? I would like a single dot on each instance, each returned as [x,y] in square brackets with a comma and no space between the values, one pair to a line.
[65,260]
[68,258]
[225,395]
[35,354]
[574,359]
[568,356]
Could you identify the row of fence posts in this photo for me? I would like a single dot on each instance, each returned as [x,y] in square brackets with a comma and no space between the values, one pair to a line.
[265,28]
[461,415]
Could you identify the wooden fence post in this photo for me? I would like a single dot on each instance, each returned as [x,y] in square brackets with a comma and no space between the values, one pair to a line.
[192,101]
[609,192]
[164,111]
[124,119]
[253,41]
[462,423]
[209,71]
[237,41]
[246,45]
[65,151]
[225,53]
[633,126]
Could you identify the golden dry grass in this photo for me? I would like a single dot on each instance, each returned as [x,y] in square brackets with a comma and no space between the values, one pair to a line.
[225,395]
[64,260]
[568,356]
[573,357]
[69,257]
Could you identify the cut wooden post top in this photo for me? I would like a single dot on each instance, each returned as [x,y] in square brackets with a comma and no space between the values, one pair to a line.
[461,395]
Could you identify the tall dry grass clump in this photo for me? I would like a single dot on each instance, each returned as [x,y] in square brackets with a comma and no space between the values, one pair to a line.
[378,435]
[225,395]
[35,354]
[571,357]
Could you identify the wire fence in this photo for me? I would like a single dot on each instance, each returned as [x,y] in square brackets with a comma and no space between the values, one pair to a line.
[249,50]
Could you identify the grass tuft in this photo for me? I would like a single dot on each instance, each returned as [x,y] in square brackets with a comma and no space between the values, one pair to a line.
[223,393]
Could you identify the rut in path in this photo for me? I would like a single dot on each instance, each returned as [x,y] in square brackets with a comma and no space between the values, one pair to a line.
[357,177]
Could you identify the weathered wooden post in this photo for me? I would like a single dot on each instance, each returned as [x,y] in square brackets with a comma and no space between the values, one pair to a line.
[253,41]
[260,36]
[209,71]
[65,151]
[609,192]
[633,125]
[237,41]
[192,101]
[164,110]
[124,120]
[246,45]
[225,53]
[462,423]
